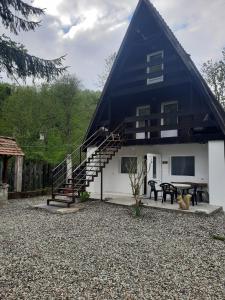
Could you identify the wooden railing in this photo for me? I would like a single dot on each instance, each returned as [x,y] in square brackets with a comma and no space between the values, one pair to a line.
[184,121]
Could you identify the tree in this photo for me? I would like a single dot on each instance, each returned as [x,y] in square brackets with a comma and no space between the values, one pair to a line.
[214,73]
[137,173]
[107,68]
[28,111]
[65,91]
[14,58]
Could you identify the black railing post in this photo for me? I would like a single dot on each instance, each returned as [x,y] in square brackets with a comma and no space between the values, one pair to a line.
[80,155]
[102,184]
[52,178]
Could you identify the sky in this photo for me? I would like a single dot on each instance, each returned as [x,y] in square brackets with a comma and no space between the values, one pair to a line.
[89,31]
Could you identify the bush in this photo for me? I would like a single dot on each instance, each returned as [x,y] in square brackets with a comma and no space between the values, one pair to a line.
[84,196]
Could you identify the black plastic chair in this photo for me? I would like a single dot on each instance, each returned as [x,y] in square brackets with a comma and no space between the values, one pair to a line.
[153,189]
[193,193]
[169,189]
[197,194]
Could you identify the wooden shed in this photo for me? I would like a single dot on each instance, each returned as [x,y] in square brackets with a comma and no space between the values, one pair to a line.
[8,149]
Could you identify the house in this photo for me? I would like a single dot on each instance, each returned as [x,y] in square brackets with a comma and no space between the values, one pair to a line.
[155,105]
[170,114]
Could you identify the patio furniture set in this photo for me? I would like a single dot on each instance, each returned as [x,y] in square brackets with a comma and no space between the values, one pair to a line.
[174,189]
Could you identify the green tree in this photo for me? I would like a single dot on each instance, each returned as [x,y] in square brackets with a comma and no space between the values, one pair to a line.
[14,58]
[214,73]
[65,91]
[29,111]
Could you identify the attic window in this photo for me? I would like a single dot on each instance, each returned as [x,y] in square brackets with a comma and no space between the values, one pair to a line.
[155,67]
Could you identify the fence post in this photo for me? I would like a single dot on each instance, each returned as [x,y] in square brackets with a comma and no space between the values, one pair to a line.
[18,174]
[69,167]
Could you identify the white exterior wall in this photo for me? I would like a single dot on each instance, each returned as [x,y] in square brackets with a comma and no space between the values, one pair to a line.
[217,173]
[116,184]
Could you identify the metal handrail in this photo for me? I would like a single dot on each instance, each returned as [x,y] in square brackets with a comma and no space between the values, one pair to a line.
[57,182]
[78,148]
[111,134]
[82,146]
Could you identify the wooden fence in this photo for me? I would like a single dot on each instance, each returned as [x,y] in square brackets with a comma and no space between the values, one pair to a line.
[36,175]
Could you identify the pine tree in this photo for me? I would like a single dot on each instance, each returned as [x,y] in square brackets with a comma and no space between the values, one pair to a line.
[14,58]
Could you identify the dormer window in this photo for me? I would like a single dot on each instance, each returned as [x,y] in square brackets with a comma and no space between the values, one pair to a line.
[155,67]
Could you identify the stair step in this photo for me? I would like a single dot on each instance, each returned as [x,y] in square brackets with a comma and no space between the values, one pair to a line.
[69,195]
[67,202]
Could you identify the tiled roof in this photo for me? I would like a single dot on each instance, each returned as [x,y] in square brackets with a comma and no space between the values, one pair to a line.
[9,147]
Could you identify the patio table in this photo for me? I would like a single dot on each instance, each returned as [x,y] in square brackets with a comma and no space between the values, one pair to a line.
[181,187]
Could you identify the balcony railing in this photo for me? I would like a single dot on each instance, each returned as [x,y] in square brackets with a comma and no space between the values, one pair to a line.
[186,123]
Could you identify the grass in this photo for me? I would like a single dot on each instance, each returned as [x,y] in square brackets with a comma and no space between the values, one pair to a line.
[219,238]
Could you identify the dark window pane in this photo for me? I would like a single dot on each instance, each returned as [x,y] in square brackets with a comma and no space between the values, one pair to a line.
[155,59]
[183,165]
[155,75]
[155,69]
[170,120]
[154,167]
[128,165]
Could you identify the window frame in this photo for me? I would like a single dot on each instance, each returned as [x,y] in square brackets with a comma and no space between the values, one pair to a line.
[159,78]
[183,156]
[163,104]
[121,159]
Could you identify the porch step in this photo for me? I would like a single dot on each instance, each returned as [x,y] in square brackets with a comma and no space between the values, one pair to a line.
[67,202]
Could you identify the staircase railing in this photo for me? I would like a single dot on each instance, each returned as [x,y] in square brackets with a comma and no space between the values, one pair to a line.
[103,145]
[77,159]
[66,167]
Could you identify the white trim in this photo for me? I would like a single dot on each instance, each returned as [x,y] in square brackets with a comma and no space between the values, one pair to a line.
[155,80]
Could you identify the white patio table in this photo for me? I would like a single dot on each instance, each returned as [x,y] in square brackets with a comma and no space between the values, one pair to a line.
[181,187]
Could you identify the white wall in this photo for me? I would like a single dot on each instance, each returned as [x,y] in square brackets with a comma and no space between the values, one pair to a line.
[216,173]
[117,184]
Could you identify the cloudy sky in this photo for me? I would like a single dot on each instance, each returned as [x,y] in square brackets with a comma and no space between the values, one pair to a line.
[89,31]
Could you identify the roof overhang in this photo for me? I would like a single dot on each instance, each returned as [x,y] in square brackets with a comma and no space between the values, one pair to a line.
[9,147]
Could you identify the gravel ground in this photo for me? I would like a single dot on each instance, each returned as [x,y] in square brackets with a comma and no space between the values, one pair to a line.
[102,252]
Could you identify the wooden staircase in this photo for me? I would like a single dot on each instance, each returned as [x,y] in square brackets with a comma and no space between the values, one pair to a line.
[68,183]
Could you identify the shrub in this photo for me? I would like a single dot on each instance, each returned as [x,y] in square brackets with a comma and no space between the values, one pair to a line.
[84,196]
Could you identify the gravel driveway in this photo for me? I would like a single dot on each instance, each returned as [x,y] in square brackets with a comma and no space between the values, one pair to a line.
[102,252]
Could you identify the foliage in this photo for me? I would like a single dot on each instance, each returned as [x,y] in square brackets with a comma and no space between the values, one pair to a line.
[5,91]
[84,196]
[214,73]
[107,68]
[14,58]
[29,111]
[219,238]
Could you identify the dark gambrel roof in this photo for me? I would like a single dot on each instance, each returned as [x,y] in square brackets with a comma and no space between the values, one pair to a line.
[9,147]
[214,105]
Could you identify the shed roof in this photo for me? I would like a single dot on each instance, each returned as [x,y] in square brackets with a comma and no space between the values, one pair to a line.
[9,147]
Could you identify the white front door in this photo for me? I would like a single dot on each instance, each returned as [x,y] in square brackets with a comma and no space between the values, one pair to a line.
[154,165]
[142,111]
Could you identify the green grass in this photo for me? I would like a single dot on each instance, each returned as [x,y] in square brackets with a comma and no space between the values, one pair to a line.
[219,238]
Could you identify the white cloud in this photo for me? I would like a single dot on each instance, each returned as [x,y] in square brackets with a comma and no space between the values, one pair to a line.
[89,31]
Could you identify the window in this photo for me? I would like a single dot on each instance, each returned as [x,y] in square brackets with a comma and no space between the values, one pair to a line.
[143,111]
[170,108]
[155,67]
[128,165]
[183,165]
